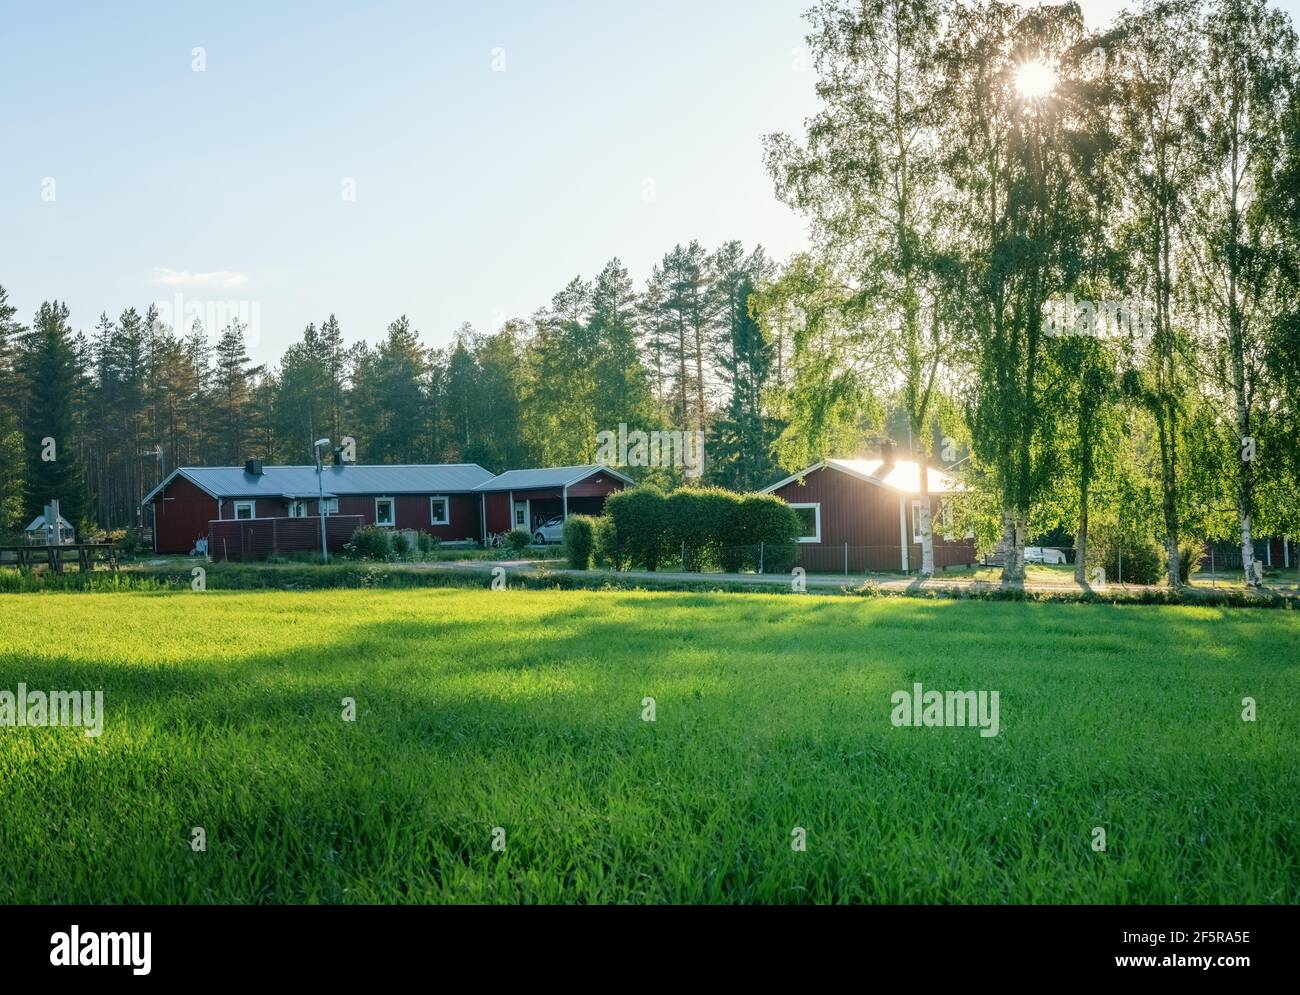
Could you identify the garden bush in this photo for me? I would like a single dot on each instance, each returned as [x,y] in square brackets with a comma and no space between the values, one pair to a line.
[517,540]
[772,526]
[1190,557]
[579,540]
[700,527]
[427,543]
[640,524]
[370,542]
[608,552]
[1126,559]
[401,545]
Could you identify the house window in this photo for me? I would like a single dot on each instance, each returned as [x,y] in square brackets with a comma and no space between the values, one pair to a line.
[384,512]
[297,509]
[245,509]
[331,506]
[916,521]
[439,511]
[810,521]
[946,520]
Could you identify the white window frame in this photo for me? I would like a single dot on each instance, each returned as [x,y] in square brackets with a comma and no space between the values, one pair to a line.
[916,523]
[817,519]
[331,506]
[392,504]
[945,518]
[297,508]
[252,510]
[446,509]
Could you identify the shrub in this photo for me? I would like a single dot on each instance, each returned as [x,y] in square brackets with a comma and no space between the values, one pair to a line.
[579,540]
[608,551]
[1190,557]
[370,542]
[427,543]
[130,542]
[1126,559]
[517,540]
[639,519]
[699,523]
[704,526]
[771,530]
[401,545]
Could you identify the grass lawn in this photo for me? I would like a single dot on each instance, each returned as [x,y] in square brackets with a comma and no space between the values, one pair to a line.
[523,710]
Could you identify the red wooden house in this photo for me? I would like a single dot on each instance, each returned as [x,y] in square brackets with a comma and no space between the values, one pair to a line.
[256,510]
[864,514]
[524,499]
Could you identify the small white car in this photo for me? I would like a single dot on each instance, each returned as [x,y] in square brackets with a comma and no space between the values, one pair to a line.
[551,530]
[1043,554]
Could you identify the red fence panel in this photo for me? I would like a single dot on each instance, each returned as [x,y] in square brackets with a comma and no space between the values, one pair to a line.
[260,538]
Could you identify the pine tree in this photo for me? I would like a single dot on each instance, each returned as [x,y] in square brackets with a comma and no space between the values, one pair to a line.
[232,378]
[50,441]
[11,440]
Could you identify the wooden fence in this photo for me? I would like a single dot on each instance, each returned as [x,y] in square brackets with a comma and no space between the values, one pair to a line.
[259,538]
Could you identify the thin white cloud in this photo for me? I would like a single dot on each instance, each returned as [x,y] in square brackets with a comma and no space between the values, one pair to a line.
[167,277]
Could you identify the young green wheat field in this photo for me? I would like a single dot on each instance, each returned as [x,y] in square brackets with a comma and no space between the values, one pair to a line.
[501,750]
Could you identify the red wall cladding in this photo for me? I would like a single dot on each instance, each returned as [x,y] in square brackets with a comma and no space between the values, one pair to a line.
[414,511]
[181,515]
[864,516]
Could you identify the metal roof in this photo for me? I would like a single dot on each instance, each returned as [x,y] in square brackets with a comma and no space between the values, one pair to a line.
[904,476]
[557,476]
[39,523]
[348,479]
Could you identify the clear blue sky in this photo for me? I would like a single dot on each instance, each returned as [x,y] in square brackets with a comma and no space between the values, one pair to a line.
[479,193]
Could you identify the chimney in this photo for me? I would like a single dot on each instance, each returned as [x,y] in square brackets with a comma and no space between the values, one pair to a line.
[253,467]
[886,455]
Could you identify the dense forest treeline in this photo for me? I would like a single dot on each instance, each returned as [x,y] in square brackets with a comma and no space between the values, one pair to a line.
[134,398]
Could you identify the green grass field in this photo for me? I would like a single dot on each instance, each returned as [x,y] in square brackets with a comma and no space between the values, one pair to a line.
[523,710]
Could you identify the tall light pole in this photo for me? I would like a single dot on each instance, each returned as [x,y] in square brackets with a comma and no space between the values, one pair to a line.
[320,499]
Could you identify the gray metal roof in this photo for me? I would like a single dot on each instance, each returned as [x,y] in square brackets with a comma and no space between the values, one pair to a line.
[39,523]
[282,481]
[556,476]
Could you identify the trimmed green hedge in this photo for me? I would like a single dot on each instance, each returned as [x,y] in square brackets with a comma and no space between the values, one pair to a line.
[579,540]
[698,528]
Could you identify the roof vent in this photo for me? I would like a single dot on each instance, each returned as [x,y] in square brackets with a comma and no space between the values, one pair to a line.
[253,467]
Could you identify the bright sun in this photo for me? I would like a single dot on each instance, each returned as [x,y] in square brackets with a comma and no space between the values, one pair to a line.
[1035,80]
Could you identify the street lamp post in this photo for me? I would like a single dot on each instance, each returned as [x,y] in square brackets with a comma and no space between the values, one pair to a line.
[320,499]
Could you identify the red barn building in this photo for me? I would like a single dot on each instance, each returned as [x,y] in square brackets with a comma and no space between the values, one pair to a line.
[864,514]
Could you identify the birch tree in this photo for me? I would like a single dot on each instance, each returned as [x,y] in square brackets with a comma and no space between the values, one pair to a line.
[866,176]
[1249,72]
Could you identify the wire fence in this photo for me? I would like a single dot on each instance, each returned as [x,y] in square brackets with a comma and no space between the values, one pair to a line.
[820,558]
[1145,563]
[1115,563]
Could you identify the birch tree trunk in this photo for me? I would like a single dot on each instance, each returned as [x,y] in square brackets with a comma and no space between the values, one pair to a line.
[927,532]
[1013,541]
